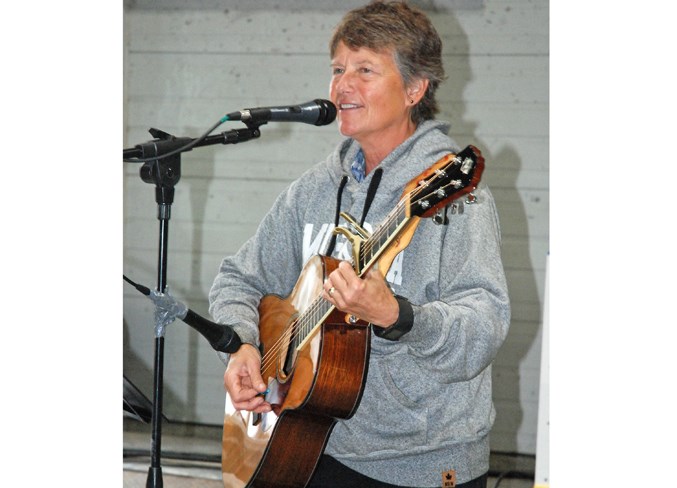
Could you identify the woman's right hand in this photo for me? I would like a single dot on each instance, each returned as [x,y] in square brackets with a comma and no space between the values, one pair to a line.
[243,382]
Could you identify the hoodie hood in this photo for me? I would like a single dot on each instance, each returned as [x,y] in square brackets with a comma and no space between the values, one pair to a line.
[424,147]
[383,186]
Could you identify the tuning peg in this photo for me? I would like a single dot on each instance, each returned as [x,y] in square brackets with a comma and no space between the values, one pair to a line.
[440,217]
[457,208]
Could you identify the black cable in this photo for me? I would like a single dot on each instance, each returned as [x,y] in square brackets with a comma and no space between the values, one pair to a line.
[510,474]
[188,146]
[182,456]
[143,289]
[500,478]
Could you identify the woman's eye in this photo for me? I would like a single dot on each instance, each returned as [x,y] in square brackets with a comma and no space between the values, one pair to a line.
[337,71]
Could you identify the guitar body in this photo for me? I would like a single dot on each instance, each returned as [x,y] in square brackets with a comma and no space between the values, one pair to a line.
[311,385]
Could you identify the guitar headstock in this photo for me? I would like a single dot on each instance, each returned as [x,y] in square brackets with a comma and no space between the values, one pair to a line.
[449,178]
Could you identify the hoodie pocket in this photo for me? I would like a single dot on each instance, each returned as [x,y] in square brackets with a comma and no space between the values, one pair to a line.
[404,381]
[389,419]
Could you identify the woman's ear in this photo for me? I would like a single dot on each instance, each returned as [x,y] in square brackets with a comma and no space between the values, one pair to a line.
[416,90]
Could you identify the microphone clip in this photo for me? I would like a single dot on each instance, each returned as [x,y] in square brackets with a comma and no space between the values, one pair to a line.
[222,338]
[167,309]
[165,171]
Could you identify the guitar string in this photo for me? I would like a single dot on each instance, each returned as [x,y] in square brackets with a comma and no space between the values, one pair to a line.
[309,317]
[303,323]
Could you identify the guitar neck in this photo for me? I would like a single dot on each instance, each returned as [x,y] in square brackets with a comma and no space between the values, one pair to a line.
[382,238]
[450,177]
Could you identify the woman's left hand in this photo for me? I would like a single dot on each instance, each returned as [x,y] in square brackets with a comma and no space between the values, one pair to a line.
[368,298]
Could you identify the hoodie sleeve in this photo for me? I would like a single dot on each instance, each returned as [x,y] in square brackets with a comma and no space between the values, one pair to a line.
[268,263]
[457,334]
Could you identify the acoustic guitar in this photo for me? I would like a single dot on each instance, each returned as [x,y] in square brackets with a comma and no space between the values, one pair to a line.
[315,357]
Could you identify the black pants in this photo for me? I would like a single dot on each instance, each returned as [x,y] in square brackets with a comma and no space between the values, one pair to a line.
[332,474]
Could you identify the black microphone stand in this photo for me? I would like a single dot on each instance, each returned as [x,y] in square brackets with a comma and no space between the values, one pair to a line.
[162,167]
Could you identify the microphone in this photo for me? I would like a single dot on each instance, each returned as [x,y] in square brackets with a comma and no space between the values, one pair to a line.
[317,112]
[221,337]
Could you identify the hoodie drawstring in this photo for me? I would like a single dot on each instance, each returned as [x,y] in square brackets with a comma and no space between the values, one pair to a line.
[371,193]
[339,194]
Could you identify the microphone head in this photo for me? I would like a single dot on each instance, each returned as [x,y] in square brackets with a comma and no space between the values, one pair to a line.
[316,112]
[327,112]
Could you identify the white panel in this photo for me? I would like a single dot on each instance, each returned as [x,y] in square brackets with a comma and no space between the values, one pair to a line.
[542,478]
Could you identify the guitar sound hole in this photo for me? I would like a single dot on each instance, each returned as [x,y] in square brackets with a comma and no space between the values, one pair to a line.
[290,359]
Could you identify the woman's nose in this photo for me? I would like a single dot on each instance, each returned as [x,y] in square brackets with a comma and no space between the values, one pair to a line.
[344,84]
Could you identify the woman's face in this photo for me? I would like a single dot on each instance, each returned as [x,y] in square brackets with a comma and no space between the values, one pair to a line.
[369,93]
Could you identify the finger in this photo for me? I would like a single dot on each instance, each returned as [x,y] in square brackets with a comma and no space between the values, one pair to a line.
[257,380]
[375,273]
[346,271]
[328,289]
[353,282]
[249,368]
[246,397]
[265,407]
[256,404]
[329,294]
[339,277]
[241,385]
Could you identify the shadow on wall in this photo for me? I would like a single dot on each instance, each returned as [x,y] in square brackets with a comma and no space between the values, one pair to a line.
[198,204]
[523,333]
[525,324]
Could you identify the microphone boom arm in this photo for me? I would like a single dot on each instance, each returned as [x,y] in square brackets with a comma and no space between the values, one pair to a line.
[165,145]
[317,112]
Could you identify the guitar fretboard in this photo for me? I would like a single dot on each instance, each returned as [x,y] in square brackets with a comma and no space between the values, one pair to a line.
[378,242]
[370,250]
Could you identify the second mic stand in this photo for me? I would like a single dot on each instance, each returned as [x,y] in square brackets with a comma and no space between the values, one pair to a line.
[165,172]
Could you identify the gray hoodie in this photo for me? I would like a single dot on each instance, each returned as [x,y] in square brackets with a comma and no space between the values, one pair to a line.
[426,407]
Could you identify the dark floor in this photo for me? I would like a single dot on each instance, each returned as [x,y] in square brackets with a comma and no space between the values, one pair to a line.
[190,458]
